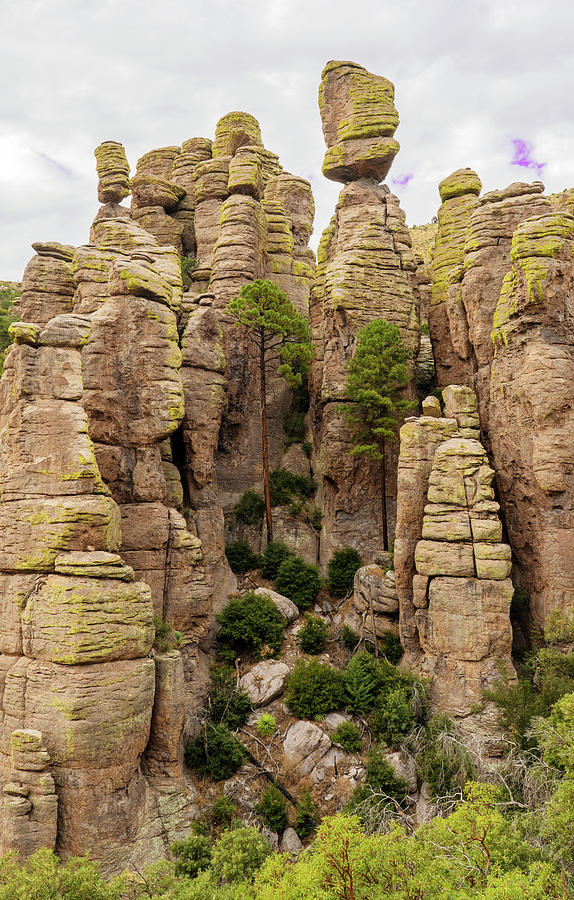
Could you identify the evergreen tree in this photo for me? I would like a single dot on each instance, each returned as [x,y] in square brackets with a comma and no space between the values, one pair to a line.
[376,376]
[278,334]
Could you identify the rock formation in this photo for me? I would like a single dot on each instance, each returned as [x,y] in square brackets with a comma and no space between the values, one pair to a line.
[452,566]
[365,271]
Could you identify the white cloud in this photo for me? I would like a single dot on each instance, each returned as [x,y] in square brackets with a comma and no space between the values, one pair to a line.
[76,72]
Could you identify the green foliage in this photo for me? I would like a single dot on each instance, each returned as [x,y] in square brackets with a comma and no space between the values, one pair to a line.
[274,554]
[558,824]
[313,635]
[349,638]
[44,877]
[192,855]
[8,295]
[274,323]
[424,328]
[241,557]
[227,704]
[250,623]
[314,689]
[238,854]
[394,715]
[287,486]
[223,812]
[188,264]
[376,375]
[294,427]
[556,735]
[166,638]
[216,753]
[299,581]
[273,809]
[348,736]
[365,678]
[315,518]
[381,775]
[559,627]
[251,508]
[307,449]
[307,816]
[390,646]
[266,725]
[444,763]
[341,571]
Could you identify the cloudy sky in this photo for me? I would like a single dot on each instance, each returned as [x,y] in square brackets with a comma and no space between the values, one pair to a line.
[486,84]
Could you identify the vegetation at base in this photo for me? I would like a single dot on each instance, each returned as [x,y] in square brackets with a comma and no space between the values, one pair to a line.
[349,637]
[222,812]
[266,725]
[241,557]
[307,816]
[274,554]
[390,647]
[251,623]
[250,508]
[166,638]
[278,333]
[443,761]
[287,487]
[313,634]
[348,736]
[341,570]
[192,854]
[227,705]
[314,689]
[299,581]
[216,753]
[188,264]
[272,808]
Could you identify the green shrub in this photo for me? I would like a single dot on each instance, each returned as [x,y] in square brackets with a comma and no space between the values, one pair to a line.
[341,571]
[223,812]
[348,736]
[307,816]
[313,635]
[349,638]
[216,753]
[166,638]
[273,809]
[391,647]
[251,508]
[393,716]
[382,776]
[307,449]
[559,627]
[314,689]
[192,855]
[238,854]
[266,725]
[299,581]
[274,554]
[251,622]
[365,678]
[286,486]
[241,557]
[227,705]
[188,264]
[424,326]
[315,518]
[443,762]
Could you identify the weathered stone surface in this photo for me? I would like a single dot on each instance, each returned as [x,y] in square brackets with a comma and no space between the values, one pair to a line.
[164,751]
[113,172]
[30,802]
[305,745]
[372,586]
[47,283]
[290,842]
[235,130]
[285,606]
[359,120]
[265,681]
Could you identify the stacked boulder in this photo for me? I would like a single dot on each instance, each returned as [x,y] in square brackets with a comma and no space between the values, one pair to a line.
[366,270]
[455,589]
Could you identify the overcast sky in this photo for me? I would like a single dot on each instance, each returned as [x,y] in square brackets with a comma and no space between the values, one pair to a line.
[486,84]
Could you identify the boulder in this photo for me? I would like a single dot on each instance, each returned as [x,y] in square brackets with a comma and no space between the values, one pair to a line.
[265,681]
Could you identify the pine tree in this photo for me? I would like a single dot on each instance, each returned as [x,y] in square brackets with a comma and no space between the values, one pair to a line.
[376,376]
[280,334]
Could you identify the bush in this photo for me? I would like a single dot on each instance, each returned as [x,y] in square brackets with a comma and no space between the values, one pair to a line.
[222,812]
[299,581]
[394,715]
[251,622]
[273,809]
[216,753]
[166,638]
[188,264]
[365,678]
[266,725]
[238,854]
[286,486]
[227,705]
[391,647]
[241,557]
[306,821]
[348,736]
[250,509]
[192,855]
[274,554]
[443,762]
[382,776]
[314,689]
[349,638]
[313,635]
[341,571]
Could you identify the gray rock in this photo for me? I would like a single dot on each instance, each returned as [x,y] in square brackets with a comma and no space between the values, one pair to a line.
[285,606]
[290,842]
[265,681]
